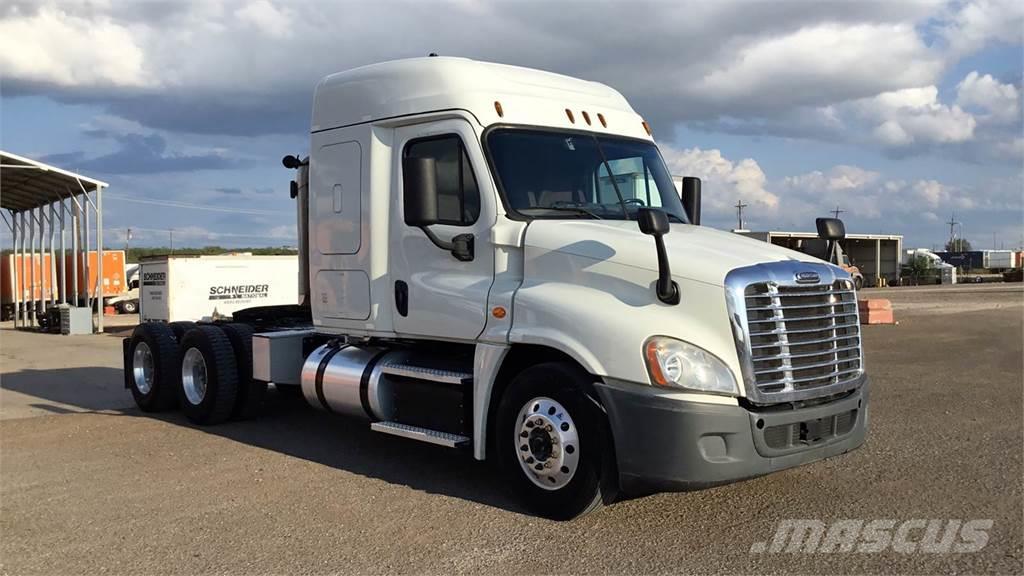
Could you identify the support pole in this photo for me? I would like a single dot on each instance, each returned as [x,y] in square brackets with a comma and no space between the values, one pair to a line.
[31,268]
[85,255]
[99,259]
[53,255]
[19,284]
[15,262]
[76,217]
[63,255]
[878,262]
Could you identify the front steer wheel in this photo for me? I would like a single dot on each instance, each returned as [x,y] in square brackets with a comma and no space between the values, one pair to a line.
[153,367]
[552,442]
[209,375]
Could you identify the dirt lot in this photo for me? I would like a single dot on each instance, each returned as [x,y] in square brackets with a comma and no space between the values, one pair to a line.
[90,485]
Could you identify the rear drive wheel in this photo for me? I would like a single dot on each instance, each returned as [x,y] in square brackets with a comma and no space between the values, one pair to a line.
[180,328]
[154,367]
[209,379]
[251,393]
[551,441]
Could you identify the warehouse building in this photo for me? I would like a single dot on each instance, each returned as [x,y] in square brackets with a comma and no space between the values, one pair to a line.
[877,255]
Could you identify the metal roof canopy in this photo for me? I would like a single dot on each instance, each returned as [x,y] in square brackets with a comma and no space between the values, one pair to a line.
[27,183]
[38,197]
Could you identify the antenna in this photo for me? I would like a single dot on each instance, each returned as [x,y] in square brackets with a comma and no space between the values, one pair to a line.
[739,213]
[837,211]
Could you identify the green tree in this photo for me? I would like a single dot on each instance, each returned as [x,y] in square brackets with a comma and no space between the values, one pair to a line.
[958,245]
[919,267]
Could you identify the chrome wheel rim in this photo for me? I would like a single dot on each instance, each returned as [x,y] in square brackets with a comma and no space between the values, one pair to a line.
[142,368]
[193,376]
[547,443]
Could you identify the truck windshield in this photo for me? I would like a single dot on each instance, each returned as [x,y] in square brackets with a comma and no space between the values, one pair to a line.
[546,174]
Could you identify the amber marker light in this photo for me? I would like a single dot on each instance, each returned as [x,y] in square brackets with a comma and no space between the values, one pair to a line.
[647,127]
[569,114]
[498,109]
[498,312]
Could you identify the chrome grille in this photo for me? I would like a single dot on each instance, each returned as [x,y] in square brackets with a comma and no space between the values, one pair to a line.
[796,341]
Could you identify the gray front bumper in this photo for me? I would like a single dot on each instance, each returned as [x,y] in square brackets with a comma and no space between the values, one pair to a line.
[663,444]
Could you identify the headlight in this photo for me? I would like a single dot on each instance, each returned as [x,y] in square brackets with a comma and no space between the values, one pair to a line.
[672,362]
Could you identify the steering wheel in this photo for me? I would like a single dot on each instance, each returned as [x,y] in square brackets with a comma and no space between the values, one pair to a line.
[637,201]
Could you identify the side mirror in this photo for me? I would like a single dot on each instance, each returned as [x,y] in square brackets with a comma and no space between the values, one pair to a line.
[652,221]
[419,177]
[830,228]
[691,199]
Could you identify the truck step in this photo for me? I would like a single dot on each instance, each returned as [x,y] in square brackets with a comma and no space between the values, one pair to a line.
[422,434]
[442,375]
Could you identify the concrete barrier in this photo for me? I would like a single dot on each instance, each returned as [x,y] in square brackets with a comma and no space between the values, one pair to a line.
[875,311]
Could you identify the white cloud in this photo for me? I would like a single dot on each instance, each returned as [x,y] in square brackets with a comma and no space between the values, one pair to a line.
[915,116]
[56,47]
[971,26]
[729,181]
[267,18]
[829,61]
[1000,102]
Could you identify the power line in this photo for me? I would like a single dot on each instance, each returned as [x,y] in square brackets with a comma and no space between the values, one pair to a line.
[179,204]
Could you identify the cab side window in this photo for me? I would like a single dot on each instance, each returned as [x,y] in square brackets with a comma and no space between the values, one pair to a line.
[458,198]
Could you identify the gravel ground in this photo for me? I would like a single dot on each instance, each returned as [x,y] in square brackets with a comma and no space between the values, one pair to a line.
[90,485]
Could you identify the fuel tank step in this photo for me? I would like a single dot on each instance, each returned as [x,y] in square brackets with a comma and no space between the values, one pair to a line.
[421,434]
[443,375]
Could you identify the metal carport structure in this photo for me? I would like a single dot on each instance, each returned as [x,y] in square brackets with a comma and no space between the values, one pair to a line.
[39,202]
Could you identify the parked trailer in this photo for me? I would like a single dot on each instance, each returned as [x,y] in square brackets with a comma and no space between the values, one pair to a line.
[472,280]
[192,288]
[41,281]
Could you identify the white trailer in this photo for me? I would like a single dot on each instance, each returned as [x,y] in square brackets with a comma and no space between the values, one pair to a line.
[477,272]
[206,288]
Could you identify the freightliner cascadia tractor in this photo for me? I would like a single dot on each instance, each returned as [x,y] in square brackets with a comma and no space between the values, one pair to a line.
[496,259]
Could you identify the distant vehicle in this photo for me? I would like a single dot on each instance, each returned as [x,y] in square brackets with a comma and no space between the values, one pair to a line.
[41,281]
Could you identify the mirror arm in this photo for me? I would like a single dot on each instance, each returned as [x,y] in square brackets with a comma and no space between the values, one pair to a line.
[667,289]
[437,241]
[461,245]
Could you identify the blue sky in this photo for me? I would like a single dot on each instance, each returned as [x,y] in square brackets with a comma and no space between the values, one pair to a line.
[899,113]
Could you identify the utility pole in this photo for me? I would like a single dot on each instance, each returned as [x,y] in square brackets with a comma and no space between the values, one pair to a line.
[837,211]
[127,241]
[171,232]
[739,213]
[952,232]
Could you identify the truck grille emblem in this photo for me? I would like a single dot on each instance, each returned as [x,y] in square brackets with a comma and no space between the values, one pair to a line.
[807,277]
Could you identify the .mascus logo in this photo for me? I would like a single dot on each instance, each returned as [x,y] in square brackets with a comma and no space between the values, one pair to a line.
[807,277]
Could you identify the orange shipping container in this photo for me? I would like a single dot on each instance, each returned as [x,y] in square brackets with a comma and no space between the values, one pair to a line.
[35,282]
[114,281]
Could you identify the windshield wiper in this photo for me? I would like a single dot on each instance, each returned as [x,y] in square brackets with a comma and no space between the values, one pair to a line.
[576,209]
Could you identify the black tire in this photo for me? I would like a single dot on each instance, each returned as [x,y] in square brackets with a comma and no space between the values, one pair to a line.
[130,306]
[590,485]
[180,328]
[858,282]
[166,368]
[251,393]
[218,401]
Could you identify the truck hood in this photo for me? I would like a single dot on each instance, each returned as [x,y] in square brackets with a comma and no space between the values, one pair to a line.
[695,252]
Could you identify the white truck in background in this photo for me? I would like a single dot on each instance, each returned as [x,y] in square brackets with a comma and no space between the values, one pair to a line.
[474,274]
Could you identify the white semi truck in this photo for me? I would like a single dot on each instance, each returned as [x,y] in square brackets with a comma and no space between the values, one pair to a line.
[474,273]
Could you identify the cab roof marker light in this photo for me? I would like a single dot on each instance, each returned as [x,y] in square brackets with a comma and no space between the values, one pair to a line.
[498,109]
[600,118]
[647,128]
[569,114]
[586,117]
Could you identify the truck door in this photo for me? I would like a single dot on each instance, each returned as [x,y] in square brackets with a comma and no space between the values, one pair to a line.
[435,294]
